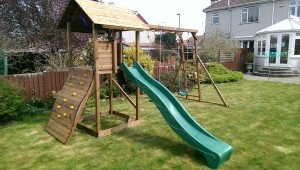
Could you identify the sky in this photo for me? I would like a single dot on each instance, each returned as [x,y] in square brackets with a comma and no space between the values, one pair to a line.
[164,12]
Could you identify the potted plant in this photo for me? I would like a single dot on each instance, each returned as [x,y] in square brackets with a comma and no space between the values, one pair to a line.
[249,61]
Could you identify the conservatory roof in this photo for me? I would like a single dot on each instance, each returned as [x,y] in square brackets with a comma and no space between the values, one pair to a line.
[287,25]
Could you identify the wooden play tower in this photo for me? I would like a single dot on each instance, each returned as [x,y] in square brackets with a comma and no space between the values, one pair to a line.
[85,16]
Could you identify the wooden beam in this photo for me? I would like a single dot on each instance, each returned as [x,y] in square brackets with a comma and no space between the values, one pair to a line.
[197,66]
[120,49]
[110,94]
[115,52]
[124,93]
[117,128]
[69,43]
[137,58]
[97,78]
[212,81]
[170,29]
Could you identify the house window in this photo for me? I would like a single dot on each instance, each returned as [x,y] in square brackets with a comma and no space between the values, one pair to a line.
[250,14]
[295,8]
[261,47]
[216,18]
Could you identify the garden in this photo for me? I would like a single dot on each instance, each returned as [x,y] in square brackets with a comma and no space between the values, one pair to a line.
[261,122]
[262,125]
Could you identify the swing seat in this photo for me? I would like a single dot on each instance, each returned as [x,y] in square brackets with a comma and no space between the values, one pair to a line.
[183,93]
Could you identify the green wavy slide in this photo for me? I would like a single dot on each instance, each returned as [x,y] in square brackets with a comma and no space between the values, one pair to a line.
[214,150]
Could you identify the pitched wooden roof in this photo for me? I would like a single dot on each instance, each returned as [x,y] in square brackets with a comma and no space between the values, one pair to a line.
[82,13]
[223,4]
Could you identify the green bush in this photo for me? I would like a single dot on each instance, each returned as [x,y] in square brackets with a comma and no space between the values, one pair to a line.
[12,100]
[221,74]
[104,90]
[145,60]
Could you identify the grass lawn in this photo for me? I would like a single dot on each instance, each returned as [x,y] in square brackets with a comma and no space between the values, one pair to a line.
[262,124]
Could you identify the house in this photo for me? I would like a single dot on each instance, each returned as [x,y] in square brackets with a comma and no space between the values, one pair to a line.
[241,19]
[264,25]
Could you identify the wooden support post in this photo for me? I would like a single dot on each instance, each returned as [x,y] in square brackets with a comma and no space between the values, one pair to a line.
[115,51]
[137,59]
[197,66]
[120,54]
[69,44]
[97,78]
[110,94]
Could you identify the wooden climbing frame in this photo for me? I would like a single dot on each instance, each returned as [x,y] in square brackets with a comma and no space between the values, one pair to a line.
[101,20]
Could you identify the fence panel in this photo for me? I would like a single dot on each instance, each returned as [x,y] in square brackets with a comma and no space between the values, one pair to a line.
[164,67]
[237,63]
[40,85]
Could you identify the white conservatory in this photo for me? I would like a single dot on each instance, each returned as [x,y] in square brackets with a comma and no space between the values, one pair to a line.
[281,39]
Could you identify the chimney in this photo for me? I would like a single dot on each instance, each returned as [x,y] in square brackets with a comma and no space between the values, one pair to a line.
[213,1]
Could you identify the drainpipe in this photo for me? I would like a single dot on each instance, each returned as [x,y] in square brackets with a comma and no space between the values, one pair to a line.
[5,69]
[273,12]
[230,18]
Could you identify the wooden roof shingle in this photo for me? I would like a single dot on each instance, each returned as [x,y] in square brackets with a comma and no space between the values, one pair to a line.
[107,16]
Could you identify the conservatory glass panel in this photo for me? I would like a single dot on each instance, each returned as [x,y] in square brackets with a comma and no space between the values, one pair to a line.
[285,40]
[297,47]
[273,48]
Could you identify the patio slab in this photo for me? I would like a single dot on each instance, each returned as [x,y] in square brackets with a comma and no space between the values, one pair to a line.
[293,80]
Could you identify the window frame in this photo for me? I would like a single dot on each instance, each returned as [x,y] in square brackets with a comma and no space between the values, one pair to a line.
[216,15]
[263,43]
[296,7]
[297,37]
[247,14]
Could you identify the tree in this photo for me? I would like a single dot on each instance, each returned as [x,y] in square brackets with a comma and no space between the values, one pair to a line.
[213,43]
[168,40]
[32,24]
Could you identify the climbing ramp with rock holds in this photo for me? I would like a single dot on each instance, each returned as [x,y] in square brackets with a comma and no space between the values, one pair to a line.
[69,103]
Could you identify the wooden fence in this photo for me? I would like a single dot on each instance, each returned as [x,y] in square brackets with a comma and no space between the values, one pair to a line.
[237,64]
[164,67]
[40,85]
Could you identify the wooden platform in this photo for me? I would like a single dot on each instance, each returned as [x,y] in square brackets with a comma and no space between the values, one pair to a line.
[69,103]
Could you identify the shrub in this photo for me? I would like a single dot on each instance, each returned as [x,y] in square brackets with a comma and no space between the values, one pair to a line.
[104,90]
[12,100]
[145,60]
[221,74]
[167,80]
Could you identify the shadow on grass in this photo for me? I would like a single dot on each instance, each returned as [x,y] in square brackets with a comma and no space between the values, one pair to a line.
[166,144]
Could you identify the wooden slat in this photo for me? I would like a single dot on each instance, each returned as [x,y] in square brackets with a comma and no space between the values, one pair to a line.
[58,136]
[61,80]
[53,81]
[41,86]
[36,85]
[103,55]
